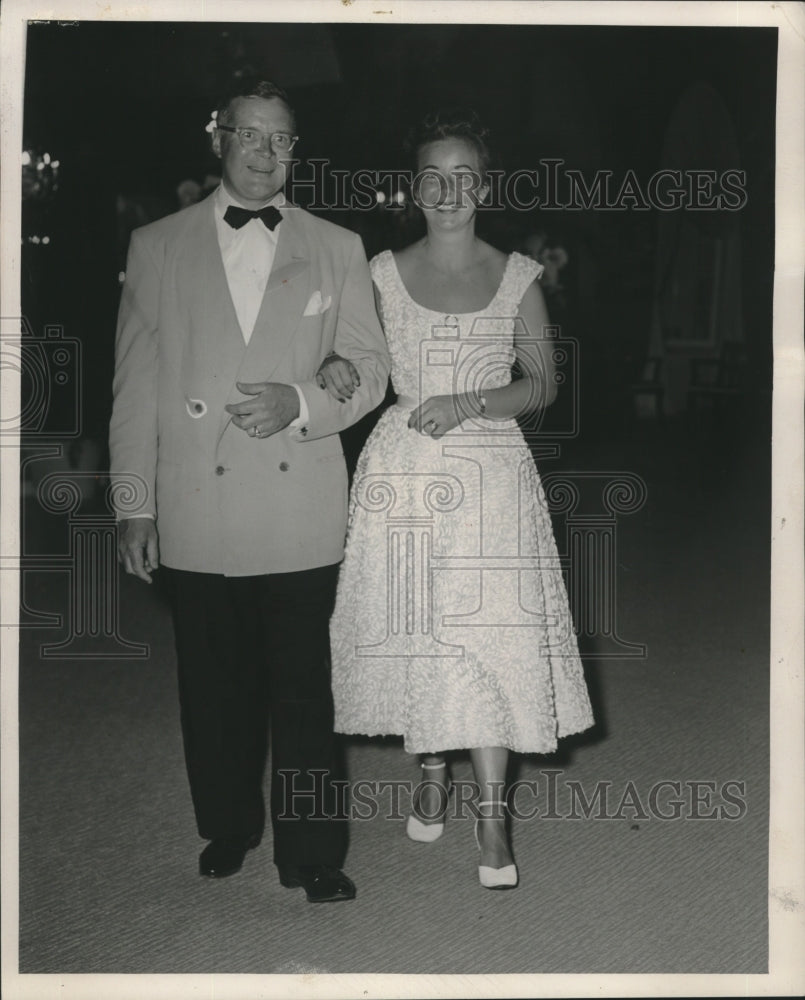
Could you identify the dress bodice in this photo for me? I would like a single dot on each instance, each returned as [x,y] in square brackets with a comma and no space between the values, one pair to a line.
[452,626]
[434,353]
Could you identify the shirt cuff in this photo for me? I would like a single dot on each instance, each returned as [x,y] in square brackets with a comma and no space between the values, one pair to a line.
[304,412]
[128,517]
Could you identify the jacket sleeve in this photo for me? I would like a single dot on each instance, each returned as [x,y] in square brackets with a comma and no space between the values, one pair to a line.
[359,338]
[133,429]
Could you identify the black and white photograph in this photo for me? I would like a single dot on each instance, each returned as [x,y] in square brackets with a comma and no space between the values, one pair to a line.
[402,499]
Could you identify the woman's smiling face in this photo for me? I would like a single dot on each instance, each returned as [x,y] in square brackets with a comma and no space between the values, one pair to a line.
[449,182]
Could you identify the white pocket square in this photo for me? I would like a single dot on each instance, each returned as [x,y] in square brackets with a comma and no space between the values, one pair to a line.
[317,305]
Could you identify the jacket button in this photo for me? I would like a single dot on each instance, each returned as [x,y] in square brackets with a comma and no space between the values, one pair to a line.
[284,466]
[220,470]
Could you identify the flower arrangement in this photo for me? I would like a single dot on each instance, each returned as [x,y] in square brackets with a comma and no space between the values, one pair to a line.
[212,124]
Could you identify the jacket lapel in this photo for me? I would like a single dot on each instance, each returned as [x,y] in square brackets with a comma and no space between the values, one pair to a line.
[284,300]
[215,348]
[216,356]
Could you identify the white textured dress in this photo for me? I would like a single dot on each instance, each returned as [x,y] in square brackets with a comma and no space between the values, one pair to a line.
[451,625]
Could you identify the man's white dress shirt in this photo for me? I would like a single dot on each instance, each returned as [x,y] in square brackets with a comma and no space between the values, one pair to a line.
[248,255]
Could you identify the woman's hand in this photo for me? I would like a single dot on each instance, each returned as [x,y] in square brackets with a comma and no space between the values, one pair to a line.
[338,376]
[440,414]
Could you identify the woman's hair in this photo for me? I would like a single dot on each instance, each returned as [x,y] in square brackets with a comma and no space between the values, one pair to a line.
[253,88]
[451,124]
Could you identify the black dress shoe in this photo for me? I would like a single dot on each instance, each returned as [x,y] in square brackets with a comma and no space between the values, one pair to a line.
[224,855]
[321,883]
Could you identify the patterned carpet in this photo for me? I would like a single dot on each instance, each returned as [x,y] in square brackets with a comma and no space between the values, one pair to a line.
[108,849]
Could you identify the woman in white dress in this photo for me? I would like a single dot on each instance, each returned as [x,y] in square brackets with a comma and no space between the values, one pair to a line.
[451,626]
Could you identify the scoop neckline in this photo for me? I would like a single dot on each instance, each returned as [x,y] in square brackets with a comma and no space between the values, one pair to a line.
[442,312]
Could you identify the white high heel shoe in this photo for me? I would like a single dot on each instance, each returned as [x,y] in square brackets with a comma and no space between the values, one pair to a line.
[415,828]
[495,878]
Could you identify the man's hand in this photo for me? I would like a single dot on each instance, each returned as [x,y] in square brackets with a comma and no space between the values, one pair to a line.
[273,407]
[138,547]
[338,376]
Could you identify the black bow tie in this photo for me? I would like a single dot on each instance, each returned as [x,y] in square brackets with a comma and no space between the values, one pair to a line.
[237,216]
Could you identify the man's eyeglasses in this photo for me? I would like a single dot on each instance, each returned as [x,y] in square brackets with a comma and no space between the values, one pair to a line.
[252,138]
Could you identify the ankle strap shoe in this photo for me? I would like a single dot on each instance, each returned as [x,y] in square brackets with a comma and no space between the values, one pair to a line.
[419,830]
[495,878]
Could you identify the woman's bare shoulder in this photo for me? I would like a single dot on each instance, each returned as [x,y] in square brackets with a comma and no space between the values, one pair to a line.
[492,255]
[408,259]
[493,262]
[409,253]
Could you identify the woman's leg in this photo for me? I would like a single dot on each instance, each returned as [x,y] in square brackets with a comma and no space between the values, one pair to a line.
[430,797]
[489,764]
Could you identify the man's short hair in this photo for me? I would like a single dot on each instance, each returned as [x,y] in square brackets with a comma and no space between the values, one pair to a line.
[253,87]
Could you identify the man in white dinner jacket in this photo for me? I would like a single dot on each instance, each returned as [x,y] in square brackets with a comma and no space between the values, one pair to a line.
[229,307]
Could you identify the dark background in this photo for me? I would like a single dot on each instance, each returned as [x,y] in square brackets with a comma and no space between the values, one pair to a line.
[123,107]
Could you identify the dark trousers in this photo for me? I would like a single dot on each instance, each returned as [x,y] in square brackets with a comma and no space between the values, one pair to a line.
[254,652]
